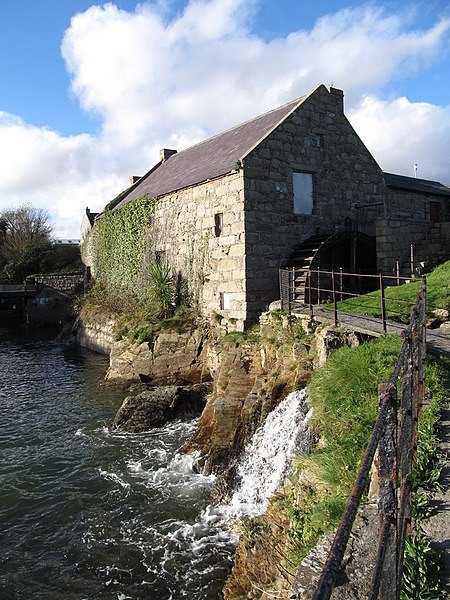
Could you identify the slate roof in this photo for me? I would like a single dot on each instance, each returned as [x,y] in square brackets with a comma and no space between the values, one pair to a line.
[413,184]
[212,158]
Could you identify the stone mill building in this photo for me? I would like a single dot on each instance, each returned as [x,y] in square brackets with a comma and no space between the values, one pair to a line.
[296,183]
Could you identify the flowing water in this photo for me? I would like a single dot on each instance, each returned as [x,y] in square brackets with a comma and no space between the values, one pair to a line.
[87,513]
[267,459]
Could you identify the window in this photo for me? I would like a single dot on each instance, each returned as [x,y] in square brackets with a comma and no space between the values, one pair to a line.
[303,193]
[225,303]
[435,212]
[218,224]
[160,257]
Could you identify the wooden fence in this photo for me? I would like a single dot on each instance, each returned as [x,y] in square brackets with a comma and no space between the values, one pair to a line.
[394,436]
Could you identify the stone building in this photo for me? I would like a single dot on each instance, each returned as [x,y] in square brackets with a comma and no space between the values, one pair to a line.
[295,184]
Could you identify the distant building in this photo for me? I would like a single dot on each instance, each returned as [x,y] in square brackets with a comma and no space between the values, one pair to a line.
[66,242]
[87,223]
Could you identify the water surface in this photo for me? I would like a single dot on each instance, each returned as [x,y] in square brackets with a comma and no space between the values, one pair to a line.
[86,513]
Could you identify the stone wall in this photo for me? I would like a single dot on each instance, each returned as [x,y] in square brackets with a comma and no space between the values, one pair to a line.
[227,238]
[95,331]
[348,187]
[208,254]
[394,237]
[67,284]
[406,204]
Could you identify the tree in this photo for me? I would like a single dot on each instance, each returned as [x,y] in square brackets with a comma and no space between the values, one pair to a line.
[24,239]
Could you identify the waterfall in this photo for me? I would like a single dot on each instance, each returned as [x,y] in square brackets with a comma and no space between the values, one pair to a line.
[267,459]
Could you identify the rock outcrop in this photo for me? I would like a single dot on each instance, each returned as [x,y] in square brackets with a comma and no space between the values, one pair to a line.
[250,379]
[155,407]
[170,359]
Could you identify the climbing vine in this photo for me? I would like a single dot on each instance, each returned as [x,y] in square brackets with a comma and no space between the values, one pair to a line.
[120,244]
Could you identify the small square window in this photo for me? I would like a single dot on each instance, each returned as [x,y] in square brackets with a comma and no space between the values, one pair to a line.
[160,257]
[303,193]
[218,224]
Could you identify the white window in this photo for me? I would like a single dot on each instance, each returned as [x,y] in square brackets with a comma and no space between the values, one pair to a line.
[303,193]
[225,303]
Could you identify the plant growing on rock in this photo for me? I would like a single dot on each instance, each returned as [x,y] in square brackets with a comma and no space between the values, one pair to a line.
[161,289]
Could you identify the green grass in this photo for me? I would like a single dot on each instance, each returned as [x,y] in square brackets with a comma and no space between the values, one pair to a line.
[344,397]
[343,394]
[400,298]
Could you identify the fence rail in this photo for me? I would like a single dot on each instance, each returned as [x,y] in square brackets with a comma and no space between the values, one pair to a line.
[320,287]
[394,436]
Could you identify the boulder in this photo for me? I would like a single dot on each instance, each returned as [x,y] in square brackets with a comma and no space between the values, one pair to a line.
[155,407]
[330,338]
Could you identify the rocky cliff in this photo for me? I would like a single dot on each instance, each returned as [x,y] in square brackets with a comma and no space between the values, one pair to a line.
[239,378]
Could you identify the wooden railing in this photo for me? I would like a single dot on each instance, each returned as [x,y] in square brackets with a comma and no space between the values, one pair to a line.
[394,436]
[300,289]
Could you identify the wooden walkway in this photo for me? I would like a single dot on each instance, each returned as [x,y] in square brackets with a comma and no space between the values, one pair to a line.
[438,341]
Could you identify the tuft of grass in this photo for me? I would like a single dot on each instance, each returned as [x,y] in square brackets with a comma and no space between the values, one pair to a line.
[421,570]
[233,339]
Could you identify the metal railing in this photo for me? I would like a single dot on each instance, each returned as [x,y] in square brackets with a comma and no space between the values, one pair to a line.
[394,436]
[300,289]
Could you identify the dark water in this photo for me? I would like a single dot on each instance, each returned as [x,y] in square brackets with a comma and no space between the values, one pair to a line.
[86,513]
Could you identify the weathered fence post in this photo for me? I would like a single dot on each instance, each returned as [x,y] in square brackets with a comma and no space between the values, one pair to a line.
[383,304]
[387,480]
[318,285]
[333,287]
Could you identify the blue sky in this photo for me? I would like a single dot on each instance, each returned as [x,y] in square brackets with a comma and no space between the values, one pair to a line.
[90,92]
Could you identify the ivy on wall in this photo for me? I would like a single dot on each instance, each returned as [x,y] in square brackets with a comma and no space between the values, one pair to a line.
[119,244]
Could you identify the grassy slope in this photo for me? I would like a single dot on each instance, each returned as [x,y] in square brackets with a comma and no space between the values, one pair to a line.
[343,394]
[400,298]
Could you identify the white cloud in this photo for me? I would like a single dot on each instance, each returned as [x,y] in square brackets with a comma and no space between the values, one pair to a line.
[400,133]
[168,80]
[149,77]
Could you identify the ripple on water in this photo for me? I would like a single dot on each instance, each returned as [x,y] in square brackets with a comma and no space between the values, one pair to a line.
[90,513]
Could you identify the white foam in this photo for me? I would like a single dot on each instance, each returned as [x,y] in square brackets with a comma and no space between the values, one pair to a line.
[267,459]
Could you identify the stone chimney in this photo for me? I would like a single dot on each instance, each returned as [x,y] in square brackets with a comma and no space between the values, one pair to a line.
[337,97]
[134,179]
[165,153]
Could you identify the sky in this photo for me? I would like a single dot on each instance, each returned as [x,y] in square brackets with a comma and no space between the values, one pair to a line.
[89,92]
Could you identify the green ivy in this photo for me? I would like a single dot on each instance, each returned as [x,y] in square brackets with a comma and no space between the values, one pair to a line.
[120,249]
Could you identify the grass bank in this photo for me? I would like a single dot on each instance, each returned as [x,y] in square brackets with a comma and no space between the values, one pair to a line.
[343,394]
[400,298]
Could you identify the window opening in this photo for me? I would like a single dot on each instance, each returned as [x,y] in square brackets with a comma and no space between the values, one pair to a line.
[224,301]
[435,212]
[218,224]
[303,193]
[160,257]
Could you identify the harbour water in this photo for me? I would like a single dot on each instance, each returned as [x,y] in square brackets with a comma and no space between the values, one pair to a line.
[86,513]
